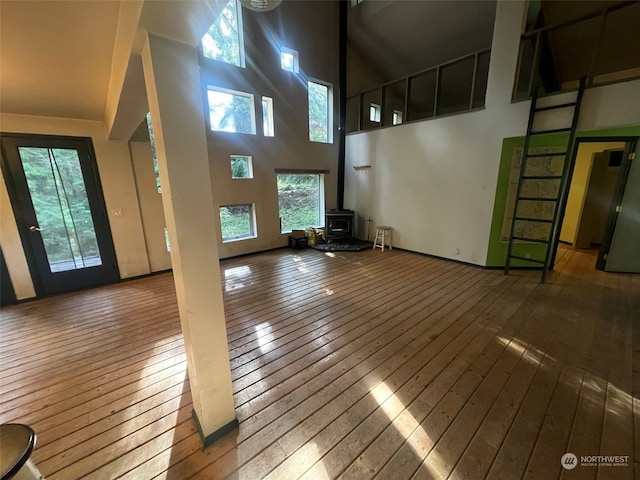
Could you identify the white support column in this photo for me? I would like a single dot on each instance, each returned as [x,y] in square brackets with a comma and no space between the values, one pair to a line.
[172,80]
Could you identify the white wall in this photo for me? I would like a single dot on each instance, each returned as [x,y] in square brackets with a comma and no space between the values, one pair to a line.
[434,181]
[116,176]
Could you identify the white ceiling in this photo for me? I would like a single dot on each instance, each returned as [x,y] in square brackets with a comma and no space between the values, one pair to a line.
[55,56]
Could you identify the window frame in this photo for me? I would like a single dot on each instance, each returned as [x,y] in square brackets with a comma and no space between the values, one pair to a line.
[268,127]
[252,223]
[241,49]
[296,59]
[375,112]
[321,195]
[238,93]
[329,88]
[396,117]
[249,166]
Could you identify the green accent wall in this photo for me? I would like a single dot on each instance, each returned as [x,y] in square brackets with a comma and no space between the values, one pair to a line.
[497,251]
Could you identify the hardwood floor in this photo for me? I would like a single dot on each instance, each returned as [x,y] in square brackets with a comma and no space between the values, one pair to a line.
[358,365]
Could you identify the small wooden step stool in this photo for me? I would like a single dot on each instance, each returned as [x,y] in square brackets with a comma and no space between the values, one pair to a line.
[383,238]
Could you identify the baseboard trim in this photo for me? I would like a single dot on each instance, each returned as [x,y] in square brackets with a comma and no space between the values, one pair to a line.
[212,437]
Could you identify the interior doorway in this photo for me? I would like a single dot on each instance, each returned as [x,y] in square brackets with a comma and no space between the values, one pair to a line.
[598,181]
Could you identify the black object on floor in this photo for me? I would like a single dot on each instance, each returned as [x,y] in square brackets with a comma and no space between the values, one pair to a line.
[352,245]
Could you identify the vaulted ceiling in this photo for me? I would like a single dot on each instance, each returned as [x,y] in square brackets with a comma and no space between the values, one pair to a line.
[401,37]
[57,58]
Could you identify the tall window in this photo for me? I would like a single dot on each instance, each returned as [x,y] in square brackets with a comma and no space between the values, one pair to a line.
[237,222]
[231,111]
[320,112]
[223,41]
[300,200]
[153,153]
[267,117]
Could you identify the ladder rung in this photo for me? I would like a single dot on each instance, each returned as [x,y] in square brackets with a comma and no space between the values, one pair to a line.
[533,260]
[555,130]
[542,177]
[538,199]
[534,155]
[525,239]
[528,219]
[553,107]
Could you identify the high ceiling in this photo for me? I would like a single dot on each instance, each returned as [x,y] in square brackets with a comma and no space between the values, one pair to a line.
[55,56]
[401,37]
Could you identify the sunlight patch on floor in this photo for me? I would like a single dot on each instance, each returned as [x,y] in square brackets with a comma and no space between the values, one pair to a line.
[306,462]
[234,277]
[265,337]
[528,352]
[406,424]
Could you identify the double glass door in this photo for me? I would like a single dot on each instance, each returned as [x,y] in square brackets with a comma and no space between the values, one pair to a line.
[56,197]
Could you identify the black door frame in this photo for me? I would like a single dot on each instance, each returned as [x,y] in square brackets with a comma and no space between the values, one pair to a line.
[98,209]
[630,142]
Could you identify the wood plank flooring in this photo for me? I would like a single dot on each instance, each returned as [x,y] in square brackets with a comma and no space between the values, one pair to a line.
[386,365]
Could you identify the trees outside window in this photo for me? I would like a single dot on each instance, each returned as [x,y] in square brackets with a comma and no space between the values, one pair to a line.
[300,200]
[320,112]
[241,166]
[237,222]
[224,40]
[231,111]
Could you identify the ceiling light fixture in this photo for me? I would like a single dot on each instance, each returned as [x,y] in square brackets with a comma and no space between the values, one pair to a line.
[260,5]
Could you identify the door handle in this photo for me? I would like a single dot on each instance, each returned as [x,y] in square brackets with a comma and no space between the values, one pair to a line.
[33,228]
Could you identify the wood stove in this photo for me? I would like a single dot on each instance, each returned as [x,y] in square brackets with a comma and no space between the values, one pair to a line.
[339,225]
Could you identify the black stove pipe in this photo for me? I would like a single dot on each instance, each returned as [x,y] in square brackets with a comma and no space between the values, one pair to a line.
[342,97]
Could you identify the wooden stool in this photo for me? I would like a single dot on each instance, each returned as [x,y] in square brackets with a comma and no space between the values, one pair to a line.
[383,237]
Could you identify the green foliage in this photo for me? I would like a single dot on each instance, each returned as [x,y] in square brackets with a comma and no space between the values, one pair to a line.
[230,112]
[153,152]
[240,167]
[318,112]
[299,201]
[59,197]
[236,222]
[222,41]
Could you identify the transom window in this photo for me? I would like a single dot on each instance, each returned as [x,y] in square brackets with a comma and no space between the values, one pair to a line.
[374,112]
[231,111]
[397,117]
[224,40]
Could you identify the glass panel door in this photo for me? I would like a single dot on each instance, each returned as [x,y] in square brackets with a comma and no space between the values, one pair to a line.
[56,197]
[59,198]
